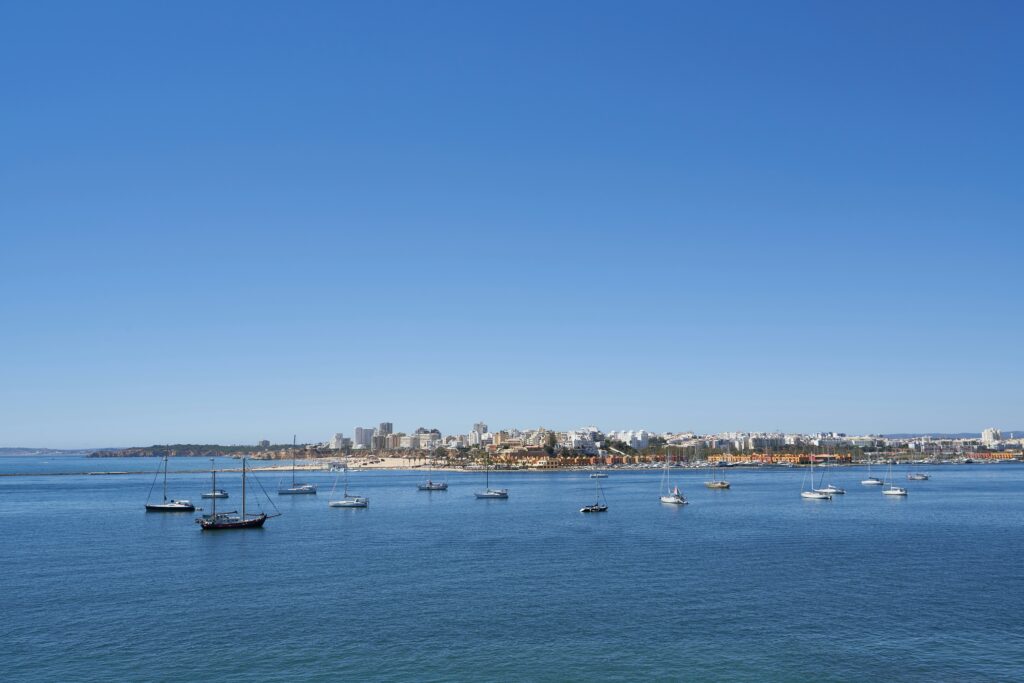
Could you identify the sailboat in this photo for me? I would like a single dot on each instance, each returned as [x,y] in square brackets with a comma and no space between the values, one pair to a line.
[598,506]
[214,493]
[715,482]
[488,492]
[892,489]
[430,484]
[831,489]
[296,489]
[871,481]
[675,496]
[346,500]
[167,505]
[232,520]
[812,493]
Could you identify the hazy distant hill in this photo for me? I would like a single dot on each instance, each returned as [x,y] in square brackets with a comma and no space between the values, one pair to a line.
[39,451]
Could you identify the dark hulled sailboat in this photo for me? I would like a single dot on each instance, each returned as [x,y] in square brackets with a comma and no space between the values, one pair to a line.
[231,520]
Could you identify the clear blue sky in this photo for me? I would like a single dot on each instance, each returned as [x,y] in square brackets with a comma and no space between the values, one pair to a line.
[234,221]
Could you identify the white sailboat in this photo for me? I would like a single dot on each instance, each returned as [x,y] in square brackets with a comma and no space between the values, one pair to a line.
[347,500]
[296,488]
[892,489]
[831,489]
[811,493]
[871,481]
[673,496]
[488,492]
[166,505]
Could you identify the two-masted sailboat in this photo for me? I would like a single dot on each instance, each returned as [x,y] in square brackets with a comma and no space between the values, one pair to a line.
[296,488]
[166,505]
[715,482]
[232,520]
[673,495]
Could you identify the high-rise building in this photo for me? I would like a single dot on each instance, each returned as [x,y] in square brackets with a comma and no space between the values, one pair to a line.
[363,437]
[385,428]
[480,428]
[991,436]
[337,441]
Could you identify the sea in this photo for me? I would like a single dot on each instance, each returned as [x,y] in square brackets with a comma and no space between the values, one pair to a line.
[753,583]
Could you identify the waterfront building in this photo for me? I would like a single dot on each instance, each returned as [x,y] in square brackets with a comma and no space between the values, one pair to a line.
[991,436]
[337,441]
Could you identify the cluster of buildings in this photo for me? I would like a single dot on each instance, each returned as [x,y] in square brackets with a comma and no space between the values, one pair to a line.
[542,446]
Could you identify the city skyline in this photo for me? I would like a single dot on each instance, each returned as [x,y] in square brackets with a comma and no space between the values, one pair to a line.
[753,216]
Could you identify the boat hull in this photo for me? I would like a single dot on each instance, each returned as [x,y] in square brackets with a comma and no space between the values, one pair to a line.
[491,494]
[433,486]
[815,495]
[872,482]
[716,484]
[215,495]
[170,507]
[234,523]
[359,503]
[896,491]
[594,508]
[674,500]
[298,491]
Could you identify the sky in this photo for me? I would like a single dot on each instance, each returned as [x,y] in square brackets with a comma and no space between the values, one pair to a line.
[224,222]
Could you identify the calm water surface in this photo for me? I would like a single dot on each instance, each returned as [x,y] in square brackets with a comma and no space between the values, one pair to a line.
[749,584]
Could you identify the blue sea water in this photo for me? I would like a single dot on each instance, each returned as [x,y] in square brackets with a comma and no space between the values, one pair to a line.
[749,584]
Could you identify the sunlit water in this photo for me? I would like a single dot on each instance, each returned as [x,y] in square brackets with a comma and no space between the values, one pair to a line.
[749,584]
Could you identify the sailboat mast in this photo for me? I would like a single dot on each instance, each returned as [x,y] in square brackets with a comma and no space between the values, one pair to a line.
[165,478]
[293,460]
[243,488]
[213,472]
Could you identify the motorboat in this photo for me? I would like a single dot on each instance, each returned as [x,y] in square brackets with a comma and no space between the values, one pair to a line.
[219,493]
[917,476]
[430,485]
[894,491]
[872,481]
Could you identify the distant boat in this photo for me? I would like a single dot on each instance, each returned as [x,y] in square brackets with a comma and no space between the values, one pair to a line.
[892,489]
[917,476]
[673,496]
[488,492]
[167,505]
[715,482]
[219,493]
[812,493]
[599,475]
[869,480]
[347,500]
[831,489]
[232,520]
[598,506]
[430,484]
[296,489]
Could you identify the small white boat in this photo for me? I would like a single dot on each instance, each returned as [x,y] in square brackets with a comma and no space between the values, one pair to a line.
[894,491]
[430,485]
[167,504]
[492,493]
[296,489]
[598,475]
[815,495]
[219,493]
[832,490]
[671,496]
[872,481]
[917,476]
